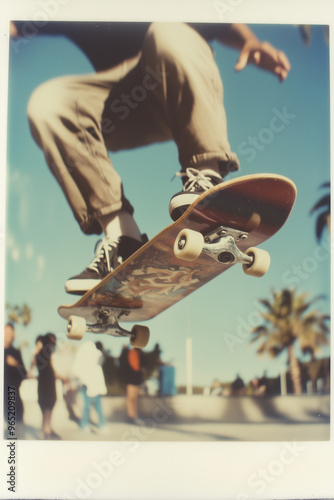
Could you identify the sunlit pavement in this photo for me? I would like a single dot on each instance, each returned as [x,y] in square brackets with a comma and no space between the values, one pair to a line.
[204,432]
[183,430]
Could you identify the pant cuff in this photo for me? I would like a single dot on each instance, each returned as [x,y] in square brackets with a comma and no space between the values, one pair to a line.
[226,162]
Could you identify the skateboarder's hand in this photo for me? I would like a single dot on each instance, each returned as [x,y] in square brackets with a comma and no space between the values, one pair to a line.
[265,56]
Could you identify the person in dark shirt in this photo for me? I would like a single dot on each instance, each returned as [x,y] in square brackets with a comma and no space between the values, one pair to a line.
[131,365]
[154,82]
[46,388]
[14,373]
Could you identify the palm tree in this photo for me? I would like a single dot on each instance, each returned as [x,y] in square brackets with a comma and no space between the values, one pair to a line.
[287,319]
[323,208]
[19,314]
[306,33]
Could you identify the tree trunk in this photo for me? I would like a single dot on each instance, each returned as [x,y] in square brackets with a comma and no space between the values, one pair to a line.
[294,371]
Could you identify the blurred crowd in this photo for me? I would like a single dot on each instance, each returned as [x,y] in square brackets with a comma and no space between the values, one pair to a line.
[256,387]
[89,373]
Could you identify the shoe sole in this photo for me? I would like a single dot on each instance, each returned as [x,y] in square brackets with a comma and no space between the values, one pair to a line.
[80,287]
[179,204]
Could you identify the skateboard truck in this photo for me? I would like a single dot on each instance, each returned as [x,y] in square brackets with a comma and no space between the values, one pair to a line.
[221,245]
[107,322]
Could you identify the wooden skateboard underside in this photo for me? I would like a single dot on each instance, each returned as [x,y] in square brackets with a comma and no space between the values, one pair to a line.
[153,279]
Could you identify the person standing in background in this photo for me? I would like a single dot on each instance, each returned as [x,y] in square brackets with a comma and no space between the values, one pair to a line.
[14,374]
[132,363]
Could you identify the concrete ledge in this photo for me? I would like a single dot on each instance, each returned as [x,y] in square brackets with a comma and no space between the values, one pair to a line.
[182,408]
[244,409]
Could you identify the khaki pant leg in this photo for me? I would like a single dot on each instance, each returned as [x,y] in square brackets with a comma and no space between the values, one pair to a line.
[66,120]
[191,93]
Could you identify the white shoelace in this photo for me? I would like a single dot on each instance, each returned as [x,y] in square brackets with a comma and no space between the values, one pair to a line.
[102,250]
[199,178]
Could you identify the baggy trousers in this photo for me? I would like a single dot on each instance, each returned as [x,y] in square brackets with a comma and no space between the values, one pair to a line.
[171,90]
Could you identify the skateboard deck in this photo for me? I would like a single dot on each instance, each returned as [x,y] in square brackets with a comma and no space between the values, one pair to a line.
[229,219]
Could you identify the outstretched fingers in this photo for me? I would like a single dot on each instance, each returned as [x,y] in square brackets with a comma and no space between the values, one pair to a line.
[264,56]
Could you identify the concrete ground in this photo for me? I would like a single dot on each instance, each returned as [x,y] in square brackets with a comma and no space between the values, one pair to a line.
[203,431]
[197,418]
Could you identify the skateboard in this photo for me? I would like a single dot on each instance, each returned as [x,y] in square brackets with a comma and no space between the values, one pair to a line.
[221,228]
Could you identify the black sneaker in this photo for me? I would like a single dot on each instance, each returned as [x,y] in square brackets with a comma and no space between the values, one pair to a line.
[195,183]
[108,256]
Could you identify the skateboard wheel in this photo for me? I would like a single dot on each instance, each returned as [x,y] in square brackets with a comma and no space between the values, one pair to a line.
[76,327]
[260,264]
[139,336]
[188,245]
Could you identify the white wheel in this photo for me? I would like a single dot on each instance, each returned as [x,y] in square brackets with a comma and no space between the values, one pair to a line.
[188,245]
[140,336]
[76,327]
[260,264]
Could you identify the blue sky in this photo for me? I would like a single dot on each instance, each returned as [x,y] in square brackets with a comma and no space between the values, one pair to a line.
[45,245]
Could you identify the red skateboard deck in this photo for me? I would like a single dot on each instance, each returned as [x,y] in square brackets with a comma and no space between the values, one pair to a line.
[253,208]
